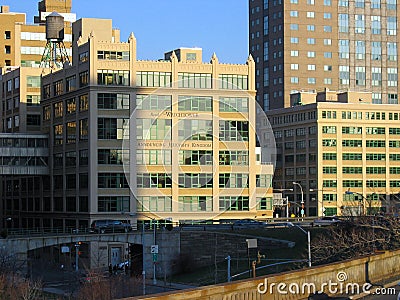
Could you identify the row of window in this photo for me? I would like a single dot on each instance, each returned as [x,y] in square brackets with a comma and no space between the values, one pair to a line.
[358,143]
[359,183]
[359,156]
[199,203]
[359,170]
[359,130]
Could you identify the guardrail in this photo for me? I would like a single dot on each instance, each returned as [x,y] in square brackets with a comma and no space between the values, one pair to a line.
[187,225]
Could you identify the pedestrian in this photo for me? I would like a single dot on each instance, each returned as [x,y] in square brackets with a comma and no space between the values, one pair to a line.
[110,269]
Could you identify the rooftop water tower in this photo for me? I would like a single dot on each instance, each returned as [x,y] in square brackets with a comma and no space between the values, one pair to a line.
[55,54]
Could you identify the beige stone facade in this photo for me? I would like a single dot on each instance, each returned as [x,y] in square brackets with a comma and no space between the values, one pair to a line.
[344,152]
[191,141]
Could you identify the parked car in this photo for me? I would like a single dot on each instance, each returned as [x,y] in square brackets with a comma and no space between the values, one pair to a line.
[326,221]
[102,226]
[248,223]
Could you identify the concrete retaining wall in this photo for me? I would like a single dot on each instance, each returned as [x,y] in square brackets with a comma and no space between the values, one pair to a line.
[374,269]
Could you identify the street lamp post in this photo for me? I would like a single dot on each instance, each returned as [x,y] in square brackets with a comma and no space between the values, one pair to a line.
[287,200]
[322,198]
[302,197]
[361,203]
[308,242]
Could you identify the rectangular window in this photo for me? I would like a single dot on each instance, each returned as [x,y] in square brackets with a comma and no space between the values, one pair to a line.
[233,203]
[112,181]
[113,204]
[195,180]
[84,79]
[154,180]
[232,130]
[70,83]
[152,157]
[113,55]
[83,130]
[153,129]
[194,80]
[58,134]
[113,77]
[232,104]
[112,101]
[194,103]
[112,128]
[194,203]
[232,82]
[154,203]
[153,79]
[233,157]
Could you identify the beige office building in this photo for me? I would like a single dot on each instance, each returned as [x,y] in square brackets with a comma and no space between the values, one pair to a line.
[308,45]
[343,151]
[191,143]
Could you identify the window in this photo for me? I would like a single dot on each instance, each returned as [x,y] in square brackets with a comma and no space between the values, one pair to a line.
[199,130]
[194,157]
[150,129]
[33,100]
[83,102]
[70,83]
[113,204]
[376,170]
[112,128]
[71,132]
[343,22]
[375,130]
[360,76]
[352,156]
[153,79]
[83,57]
[359,24]
[112,181]
[112,156]
[83,79]
[31,120]
[70,159]
[83,157]
[294,13]
[310,14]
[376,4]
[329,170]
[329,142]
[375,24]
[327,28]
[294,80]
[375,156]
[233,157]
[311,80]
[46,112]
[352,183]
[113,77]
[58,109]
[311,41]
[194,80]
[327,42]
[112,101]
[33,81]
[231,104]
[154,180]
[294,53]
[344,75]
[327,54]
[83,130]
[153,157]
[360,49]
[352,143]
[232,130]
[294,40]
[392,76]
[195,180]
[294,66]
[376,50]
[392,51]
[328,129]
[113,55]
[294,26]
[266,25]
[7,35]
[310,27]
[391,4]
[70,106]
[58,134]
[344,49]
[153,102]
[392,98]
[233,203]
[233,82]
[352,170]
[391,25]
[194,203]
[376,78]
[154,203]
[329,156]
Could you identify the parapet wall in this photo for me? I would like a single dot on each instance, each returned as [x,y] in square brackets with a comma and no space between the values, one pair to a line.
[348,274]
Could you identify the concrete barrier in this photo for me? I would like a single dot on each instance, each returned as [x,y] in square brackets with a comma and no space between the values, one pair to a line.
[344,276]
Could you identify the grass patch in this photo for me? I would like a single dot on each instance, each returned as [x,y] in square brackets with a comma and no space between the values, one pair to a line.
[217,273]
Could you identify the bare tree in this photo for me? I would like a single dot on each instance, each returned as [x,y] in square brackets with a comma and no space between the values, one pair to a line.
[356,236]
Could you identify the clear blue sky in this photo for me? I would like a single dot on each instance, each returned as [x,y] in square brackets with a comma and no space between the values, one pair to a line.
[219,26]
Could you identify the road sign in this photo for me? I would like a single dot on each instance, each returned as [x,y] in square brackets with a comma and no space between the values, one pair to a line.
[155,257]
[154,249]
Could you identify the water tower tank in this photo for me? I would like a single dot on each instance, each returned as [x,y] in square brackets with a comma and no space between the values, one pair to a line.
[55,27]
